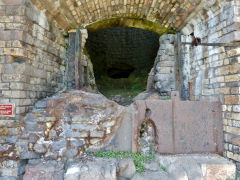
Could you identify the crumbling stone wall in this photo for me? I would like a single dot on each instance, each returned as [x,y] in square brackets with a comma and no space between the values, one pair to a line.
[215,71]
[31,67]
[164,69]
[64,125]
[32,53]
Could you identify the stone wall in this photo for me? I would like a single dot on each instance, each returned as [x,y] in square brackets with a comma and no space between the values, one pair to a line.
[164,66]
[214,72]
[65,125]
[31,65]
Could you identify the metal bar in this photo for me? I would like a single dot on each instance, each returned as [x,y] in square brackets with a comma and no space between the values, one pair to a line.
[71,61]
[77,59]
[215,44]
[180,77]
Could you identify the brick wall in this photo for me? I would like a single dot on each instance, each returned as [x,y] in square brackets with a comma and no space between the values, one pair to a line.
[215,71]
[31,63]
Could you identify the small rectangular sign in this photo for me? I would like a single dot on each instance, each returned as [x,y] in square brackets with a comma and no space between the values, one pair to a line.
[7,110]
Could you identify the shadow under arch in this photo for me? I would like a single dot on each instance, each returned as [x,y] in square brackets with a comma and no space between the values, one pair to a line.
[129,22]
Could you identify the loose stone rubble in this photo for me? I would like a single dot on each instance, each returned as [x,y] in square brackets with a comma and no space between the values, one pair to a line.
[184,167]
[65,125]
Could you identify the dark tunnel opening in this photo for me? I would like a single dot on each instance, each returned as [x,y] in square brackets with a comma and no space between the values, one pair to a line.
[122,57]
[117,71]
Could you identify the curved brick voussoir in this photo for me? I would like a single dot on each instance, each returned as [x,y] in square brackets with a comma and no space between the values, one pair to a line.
[64,125]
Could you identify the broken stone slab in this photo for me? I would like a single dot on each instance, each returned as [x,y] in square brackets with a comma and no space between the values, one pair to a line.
[126,168]
[92,169]
[198,166]
[215,167]
[42,170]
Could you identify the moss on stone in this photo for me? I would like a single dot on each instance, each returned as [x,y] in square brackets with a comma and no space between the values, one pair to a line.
[130,22]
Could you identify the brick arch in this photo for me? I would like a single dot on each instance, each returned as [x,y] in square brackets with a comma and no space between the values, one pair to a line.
[129,22]
[72,14]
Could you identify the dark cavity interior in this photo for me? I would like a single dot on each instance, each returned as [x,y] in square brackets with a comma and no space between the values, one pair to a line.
[122,57]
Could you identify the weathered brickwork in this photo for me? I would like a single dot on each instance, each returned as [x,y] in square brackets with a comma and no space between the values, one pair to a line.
[31,63]
[74,13]
[32,53]
[215,71]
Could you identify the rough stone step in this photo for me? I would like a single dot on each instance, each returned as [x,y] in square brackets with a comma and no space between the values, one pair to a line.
[177,167]
[152,175]
[198,166]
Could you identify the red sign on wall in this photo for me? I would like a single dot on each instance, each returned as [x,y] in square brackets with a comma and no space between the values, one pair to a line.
[7,110]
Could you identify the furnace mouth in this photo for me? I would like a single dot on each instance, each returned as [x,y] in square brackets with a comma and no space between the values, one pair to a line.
[122,58]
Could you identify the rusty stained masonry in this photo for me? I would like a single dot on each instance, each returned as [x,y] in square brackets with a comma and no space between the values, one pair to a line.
[32,67]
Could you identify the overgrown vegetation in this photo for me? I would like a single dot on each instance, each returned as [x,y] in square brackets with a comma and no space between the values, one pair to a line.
[139,159]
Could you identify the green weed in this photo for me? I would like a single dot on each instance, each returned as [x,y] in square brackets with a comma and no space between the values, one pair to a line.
[137,158]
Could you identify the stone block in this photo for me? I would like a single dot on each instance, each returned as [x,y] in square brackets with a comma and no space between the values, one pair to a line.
[83,127]
[42,170]
[14,78]
[9,35]
[2,11]
[15,94]
[108,124]
[4,86]
[15,67]
[12,169]
[95,140]
[236,108]
[236,116]
[126,168]
[76,133]
[222,90]
[232,99]
[8,123]
[232,130]
[99,134]
[5,172]
[10,131]
[232,78]
[41,104]
[15,10]
[12,2]
[6,19]
[95,168]
[218,171]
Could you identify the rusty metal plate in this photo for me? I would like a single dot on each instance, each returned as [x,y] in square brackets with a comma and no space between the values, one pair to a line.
[182,126]
[197,127]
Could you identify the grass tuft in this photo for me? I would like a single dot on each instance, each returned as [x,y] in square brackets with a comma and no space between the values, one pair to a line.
[137,158]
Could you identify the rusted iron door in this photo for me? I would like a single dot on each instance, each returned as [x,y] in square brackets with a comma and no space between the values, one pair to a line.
[182,126]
